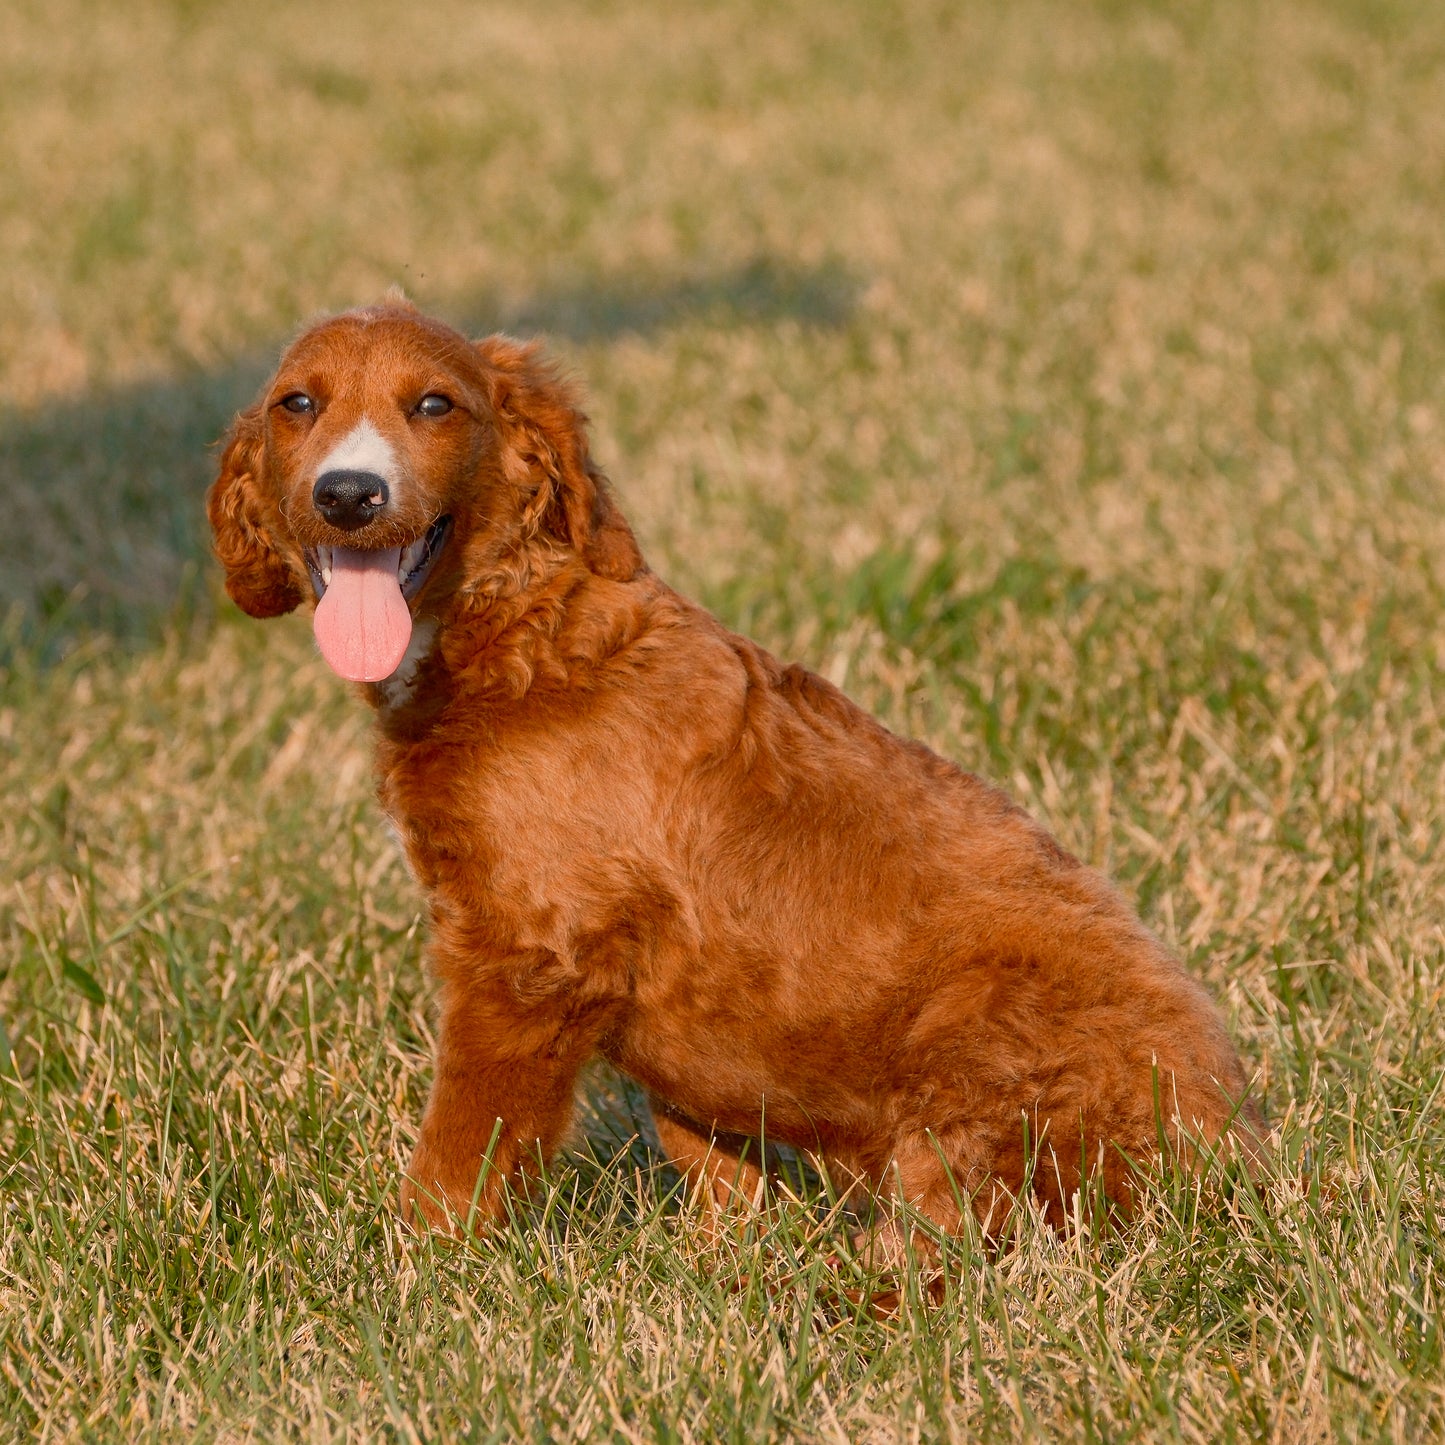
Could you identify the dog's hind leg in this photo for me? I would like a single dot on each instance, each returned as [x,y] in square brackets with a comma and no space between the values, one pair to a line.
[724,1171]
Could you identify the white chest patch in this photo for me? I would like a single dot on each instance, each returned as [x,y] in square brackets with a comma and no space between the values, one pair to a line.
[396,689]
[363,449]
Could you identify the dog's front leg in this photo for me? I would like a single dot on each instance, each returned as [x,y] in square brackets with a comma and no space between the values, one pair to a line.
[500,1101]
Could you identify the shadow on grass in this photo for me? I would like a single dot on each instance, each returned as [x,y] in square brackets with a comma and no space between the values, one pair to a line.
[763,292]
[613,1134]
[102,492]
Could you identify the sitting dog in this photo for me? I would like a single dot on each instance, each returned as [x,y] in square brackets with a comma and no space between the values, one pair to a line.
[641,836]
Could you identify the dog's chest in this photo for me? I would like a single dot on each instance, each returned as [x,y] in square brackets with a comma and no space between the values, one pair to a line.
[548,838]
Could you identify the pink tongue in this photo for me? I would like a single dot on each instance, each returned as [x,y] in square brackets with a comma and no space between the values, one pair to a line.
[362,622]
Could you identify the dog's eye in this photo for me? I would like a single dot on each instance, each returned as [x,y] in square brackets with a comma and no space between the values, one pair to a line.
[433,404]
[299,403]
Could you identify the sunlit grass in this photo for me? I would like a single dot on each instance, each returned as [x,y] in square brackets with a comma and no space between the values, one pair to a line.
[1065,380]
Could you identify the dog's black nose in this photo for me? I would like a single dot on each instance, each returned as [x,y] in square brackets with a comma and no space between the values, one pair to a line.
[349,500]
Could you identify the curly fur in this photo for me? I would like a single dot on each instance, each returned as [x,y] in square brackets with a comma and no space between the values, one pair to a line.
[641,836]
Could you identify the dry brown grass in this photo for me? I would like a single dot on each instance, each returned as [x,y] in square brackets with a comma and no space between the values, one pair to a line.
[1066,380]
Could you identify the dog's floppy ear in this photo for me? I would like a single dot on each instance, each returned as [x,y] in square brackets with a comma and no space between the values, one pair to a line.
[544,439]
[257,576]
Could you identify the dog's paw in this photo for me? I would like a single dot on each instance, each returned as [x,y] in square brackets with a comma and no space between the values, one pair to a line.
[429,1207]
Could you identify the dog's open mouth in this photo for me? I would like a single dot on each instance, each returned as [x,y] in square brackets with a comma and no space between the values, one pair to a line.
[362,621]
[413,566]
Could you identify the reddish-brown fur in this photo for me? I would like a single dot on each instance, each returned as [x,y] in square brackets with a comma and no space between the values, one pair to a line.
[642,837]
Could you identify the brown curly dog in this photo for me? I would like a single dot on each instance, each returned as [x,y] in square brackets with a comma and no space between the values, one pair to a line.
[641,836]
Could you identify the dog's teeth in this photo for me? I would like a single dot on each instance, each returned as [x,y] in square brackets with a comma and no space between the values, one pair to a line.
[326,576]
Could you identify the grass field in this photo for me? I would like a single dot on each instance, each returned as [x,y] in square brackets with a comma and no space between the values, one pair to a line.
[1067,380]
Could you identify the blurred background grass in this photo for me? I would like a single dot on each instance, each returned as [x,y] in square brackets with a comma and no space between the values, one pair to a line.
[1042,274]
[1067,380]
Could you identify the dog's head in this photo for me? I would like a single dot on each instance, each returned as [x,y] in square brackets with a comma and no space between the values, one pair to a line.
[393,469]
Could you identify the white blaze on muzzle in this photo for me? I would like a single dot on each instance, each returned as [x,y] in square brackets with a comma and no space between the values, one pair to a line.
[363,449]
